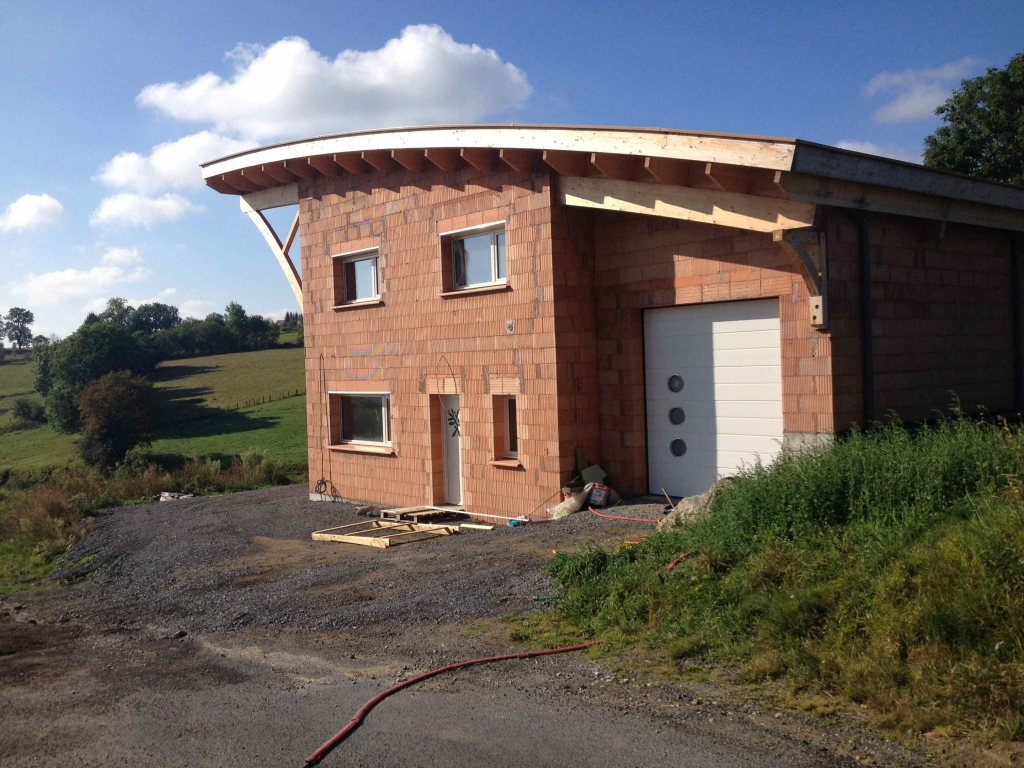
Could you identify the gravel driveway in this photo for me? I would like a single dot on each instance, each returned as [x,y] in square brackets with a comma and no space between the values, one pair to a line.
[213,631]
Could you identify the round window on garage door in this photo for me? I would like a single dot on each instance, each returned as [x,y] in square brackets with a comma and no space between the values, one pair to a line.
[675,383]
[678,447]
[677,416]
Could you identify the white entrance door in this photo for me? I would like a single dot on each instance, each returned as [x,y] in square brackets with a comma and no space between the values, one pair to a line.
[452,426]
[714,392]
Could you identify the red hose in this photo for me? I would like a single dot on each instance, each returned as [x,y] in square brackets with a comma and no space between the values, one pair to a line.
[357,720]
[678,560]
[620,517]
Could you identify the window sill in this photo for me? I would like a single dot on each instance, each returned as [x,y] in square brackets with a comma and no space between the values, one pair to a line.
[476,290]
[506,464]
[358,304]
[371,450]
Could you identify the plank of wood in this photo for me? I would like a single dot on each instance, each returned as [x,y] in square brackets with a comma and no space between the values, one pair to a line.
[728,209]
[366,524]
[477,527]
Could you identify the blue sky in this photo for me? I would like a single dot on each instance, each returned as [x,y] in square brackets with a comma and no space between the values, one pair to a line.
[88,210]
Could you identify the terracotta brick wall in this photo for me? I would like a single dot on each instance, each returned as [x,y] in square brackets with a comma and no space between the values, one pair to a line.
[398,347]
[644,262]
[942,317]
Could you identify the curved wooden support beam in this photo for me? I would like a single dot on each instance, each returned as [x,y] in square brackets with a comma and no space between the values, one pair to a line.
[280,250]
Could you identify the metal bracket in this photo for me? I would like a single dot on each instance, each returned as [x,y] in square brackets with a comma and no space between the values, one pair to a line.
[805,245]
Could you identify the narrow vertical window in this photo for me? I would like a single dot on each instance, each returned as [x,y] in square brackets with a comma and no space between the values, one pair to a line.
[511,429]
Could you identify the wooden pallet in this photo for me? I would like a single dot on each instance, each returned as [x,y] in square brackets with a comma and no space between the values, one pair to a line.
[415,514]
[382,534]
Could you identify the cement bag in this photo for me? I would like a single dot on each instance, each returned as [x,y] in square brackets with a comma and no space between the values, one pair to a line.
[571,505]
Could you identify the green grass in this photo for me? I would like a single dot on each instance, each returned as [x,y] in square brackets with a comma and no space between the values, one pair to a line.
[198,399]
[278,426]
[888,568]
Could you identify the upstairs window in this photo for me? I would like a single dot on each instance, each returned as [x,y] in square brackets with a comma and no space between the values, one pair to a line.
[478,258]
[356,277]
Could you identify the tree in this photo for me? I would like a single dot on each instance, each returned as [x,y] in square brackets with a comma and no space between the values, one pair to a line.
[17,325]
[150,318]
[118,312]
[983,133]
[64,368]
[116,412]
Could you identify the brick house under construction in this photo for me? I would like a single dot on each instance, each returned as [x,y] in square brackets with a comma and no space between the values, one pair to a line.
[484,305]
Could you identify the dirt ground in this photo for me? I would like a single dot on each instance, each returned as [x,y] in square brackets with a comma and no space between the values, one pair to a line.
[214,632]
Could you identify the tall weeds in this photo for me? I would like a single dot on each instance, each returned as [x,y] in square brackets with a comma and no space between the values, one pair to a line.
[888,566]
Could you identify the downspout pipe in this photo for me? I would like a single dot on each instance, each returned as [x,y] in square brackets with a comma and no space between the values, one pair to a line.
[867,342]
[1015,303]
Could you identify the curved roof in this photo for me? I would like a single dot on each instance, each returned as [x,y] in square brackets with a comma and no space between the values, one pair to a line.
[635,153]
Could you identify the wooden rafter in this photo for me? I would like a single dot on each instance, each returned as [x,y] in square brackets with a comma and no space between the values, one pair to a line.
[445,159]
[325,164]
[257,176]
[568,163]
[481,159]
[729,209]
[521,160]
[279,172]
[300,168]
[625,167]
[380,159]
[410,159]
[352,162]
[237,180]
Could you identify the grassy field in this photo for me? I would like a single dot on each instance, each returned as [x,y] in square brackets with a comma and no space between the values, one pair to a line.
[217,406]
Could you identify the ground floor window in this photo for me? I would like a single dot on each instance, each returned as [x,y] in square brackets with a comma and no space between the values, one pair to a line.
[361,417]
[506,428]
[511,429]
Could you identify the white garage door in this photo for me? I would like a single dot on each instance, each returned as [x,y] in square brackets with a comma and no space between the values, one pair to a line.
[714,392]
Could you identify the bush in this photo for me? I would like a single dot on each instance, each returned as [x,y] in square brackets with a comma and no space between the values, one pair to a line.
[66,367]
[26,410]
[116,412]
[888,567]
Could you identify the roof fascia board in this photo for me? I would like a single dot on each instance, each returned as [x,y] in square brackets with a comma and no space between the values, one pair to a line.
[776,154]
[834,163]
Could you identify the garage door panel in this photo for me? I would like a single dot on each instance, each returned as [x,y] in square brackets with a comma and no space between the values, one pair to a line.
[729,357]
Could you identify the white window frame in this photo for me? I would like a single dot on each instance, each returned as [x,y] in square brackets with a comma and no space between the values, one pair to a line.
[365,254]
[509,453]
[495,228]
[385,403]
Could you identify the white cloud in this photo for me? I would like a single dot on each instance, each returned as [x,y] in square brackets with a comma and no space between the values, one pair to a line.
[57,288]
[421,77]
[167,293]
[917,92]
[198,308]
[121,257]
[277,314]
[171,165]
[30,211]
[132,210]
[870,148]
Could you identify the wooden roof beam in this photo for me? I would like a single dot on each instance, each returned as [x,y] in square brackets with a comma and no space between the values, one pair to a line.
[481,159]
[727,209]
[625,167]
[410,159]
[352,162]
[521,160]
[256,176]
[300,168]
[380,159]
[279,172]
[666,171]
[568,163]
[325,164]
[217,184]
[445,159]
[237,180]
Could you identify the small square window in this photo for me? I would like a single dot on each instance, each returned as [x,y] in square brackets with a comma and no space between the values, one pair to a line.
[356,277]
[478,259]
[362,418]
